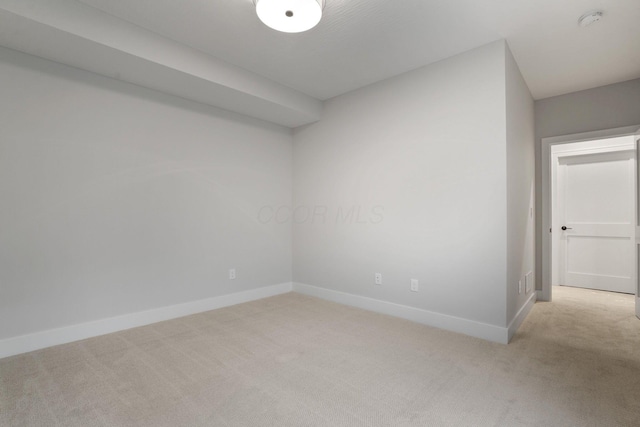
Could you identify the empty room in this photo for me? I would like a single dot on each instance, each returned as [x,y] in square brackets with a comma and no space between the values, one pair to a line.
[319,213]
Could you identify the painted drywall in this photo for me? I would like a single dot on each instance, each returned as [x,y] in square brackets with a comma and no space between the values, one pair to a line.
[118,199]
[520,187]
[408,177]
[76,34]
[606,107]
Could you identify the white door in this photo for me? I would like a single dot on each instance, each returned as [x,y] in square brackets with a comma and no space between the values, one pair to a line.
[597,221]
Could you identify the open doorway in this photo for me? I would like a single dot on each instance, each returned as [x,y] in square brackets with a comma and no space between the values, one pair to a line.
[603,259]
[593,211]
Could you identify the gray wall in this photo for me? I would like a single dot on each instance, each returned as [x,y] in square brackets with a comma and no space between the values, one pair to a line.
[605,107]
[419,161]
[117,199]
[520,185]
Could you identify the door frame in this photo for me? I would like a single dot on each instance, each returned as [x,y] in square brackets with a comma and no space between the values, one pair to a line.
[545,294]
[621,151]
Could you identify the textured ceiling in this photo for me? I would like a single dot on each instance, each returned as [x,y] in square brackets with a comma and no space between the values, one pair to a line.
[362,41]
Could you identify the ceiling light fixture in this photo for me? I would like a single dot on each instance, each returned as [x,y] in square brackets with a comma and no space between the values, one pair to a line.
[290,16]
[590,18]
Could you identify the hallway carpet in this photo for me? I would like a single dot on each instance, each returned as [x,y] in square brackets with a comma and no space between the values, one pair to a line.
[293,360]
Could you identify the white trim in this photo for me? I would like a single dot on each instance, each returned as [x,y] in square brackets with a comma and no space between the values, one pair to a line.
[546,143]
[38,340]
[595,150]
[591,136]
[425,317]
[522,314]
[636,246]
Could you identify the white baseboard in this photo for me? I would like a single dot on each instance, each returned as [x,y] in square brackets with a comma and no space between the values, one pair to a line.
[38,340]
[430,318]
[522,314]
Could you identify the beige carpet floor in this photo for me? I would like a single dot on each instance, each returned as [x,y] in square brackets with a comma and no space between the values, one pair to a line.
[293,360]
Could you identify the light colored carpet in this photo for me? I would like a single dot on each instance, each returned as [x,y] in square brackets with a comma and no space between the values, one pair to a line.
[293,360]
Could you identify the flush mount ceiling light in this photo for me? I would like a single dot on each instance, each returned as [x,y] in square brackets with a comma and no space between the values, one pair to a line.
[290,16]
[590,18]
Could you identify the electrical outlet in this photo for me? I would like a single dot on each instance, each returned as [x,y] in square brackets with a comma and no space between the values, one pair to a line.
[415,285]
[520,286]
[232,273]
[528,282]
[378,279]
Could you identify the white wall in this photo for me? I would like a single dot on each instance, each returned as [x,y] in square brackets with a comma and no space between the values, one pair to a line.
[422,158]
[520,186]
[606,107]
[117,199]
